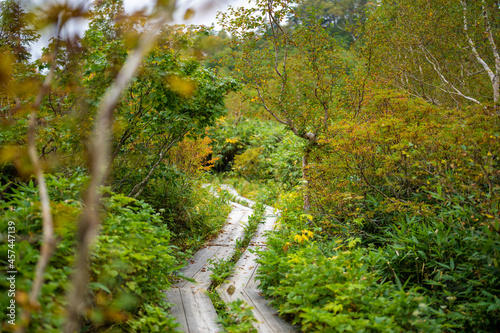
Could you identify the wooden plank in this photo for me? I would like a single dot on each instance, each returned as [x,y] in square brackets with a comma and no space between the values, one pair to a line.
[177,309]
[194,309]
[245,268]
[235,232]
[234,226]
[200,313]
[202,277]
[261,324]
[229,297]
[231,231]
[266,316]
[253,283]
[271,322]
[231,223]
[244,286]
[198,261]
[260,236]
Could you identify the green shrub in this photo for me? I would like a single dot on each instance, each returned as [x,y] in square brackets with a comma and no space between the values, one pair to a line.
[421,186]
[456,263]
[190,211]
[231,138]
[239,318]
[131,259]
[258,149]
[397,153]
[220,269]
[341,292]
[248,163]
[152,319]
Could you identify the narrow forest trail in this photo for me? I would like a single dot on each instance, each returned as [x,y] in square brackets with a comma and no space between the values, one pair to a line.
[192,306]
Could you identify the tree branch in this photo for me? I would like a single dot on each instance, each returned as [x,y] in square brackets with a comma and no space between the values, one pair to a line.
[437,69]
[269,110]
[283,76]
[473,47]
[99,155]
[48,240]
[138,188]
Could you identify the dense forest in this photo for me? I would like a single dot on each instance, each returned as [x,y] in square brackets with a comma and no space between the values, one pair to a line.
[374,128]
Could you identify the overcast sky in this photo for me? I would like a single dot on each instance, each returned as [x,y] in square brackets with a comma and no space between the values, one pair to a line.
[205,13]
[205,10]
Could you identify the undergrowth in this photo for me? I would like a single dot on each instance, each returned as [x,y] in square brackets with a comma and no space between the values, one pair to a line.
[132,259]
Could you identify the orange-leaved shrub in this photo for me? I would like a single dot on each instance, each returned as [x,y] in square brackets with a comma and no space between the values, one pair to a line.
[420,184]
[192,156]
[403,155]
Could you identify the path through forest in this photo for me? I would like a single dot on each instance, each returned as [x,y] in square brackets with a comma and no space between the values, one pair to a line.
[192,306]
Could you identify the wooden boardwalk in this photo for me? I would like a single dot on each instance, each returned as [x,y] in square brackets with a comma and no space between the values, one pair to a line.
[194,309]
[244,285]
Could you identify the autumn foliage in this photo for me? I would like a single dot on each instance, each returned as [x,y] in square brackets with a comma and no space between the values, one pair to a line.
[373,127]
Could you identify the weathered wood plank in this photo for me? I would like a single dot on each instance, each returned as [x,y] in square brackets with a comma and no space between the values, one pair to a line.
[231,231]
[270,321]
[177,310]
[243,284]
[236,231]
[234,225]
[253,283]
[198,261]
[241,294]
[245,268]
[200,313]
[267,317]
[202,277]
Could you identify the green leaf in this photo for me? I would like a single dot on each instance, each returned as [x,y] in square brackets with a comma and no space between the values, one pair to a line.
[99,286]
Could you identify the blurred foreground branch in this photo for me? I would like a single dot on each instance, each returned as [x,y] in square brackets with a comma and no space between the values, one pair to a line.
[99,161]
[48,241]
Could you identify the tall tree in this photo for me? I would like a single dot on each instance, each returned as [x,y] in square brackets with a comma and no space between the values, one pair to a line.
[295,72]
[15,30]
[173,95]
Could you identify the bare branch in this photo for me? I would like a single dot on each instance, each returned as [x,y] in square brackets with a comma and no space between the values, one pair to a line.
[138,188]
[437,69]
[275,45]
[100,151]
[283,76]
[272,19]
[269,110]
[422,82]
[48,241]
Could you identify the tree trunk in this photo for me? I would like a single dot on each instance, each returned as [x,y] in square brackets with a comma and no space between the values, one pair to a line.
[305,178]
[496,93]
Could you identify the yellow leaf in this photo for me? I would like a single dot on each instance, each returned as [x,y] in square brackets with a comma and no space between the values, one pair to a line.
[188,14]
[180,85]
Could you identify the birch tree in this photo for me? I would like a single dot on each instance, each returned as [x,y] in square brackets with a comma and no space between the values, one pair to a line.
[445,52]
